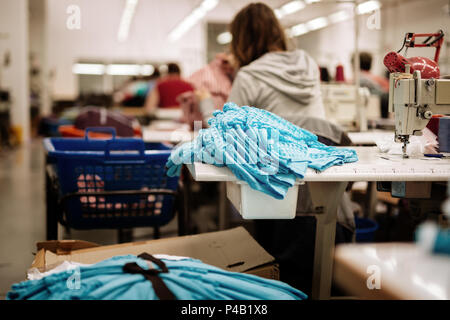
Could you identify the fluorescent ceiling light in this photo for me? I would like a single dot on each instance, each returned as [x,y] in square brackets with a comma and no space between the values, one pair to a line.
[113,69]
[317,23]
[125,21]
[368,6]
[123,69]
[289,8]
[196,15]
[339,16]
[88,68]
[298,30]
[130,69]
[224,38]
[208,5]
[147,70]
[306,27]
[336,17]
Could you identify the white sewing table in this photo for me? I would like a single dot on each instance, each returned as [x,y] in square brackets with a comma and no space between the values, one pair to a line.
[327,187]
[404,271]
[167,131]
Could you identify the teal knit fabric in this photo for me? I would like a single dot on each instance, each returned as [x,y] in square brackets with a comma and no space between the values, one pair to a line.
[260,148]
[187,279]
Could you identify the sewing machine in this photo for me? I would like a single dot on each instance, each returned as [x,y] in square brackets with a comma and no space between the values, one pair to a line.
[341,105]
[414,101]
[416,91]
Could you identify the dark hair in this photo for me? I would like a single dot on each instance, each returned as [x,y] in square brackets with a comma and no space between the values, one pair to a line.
[155,74]
[365,60]
[256,31]
[173,68]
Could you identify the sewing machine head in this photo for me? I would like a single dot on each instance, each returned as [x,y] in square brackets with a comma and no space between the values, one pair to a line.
[416,91]
[414,101]
[344,107]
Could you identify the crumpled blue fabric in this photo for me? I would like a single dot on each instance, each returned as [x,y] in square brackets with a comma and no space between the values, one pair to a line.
[187,279]
[260,148]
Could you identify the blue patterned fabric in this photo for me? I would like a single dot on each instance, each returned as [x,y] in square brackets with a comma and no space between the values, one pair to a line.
[261,148]
[187,279]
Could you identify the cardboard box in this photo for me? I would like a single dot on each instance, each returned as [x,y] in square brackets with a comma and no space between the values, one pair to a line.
[233,250]
[411,189]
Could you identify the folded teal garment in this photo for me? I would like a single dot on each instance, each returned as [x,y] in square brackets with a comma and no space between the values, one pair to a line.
[260,148]
[187,279]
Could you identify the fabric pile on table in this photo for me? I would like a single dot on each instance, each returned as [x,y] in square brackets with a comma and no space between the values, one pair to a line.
[260,148]
[145,277]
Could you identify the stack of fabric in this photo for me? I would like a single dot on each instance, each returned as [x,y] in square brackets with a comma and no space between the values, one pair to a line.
[145,277]
[260,148]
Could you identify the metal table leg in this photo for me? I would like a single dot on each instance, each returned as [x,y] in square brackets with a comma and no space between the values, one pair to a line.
[183,203]
[371,200]
[325,195]
[51,199]
[223,206]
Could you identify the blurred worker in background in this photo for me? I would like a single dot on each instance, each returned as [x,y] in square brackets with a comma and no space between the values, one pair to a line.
[167,89]
[286,83]
[134,92]
[377,85]
[153,79]
[212,86]
[216,78]
[270,77]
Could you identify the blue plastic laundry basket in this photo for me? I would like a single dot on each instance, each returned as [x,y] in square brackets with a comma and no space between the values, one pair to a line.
[114,183]
[365,229]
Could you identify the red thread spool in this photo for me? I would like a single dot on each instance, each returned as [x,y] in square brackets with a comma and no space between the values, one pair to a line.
[340,74]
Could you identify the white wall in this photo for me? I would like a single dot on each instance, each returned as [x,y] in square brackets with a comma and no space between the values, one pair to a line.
[335,44]
[154,19]
[97,38]
[419,17]
[38,49]
[14,31]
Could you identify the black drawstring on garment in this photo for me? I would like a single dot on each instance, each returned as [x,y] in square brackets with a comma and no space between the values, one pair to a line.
[159,286]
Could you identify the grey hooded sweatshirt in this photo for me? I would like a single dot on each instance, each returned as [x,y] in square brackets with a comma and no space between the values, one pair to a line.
[288,84]
[285,83]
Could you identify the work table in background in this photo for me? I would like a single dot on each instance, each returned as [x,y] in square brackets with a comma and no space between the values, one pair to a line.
[167,131]
[393,270]
[370,137]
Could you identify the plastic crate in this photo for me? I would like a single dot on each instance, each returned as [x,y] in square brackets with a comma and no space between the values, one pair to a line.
[112,183]
[253,204]
[70,131]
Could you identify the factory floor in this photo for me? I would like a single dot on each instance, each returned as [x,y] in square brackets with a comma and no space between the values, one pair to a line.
[22,214]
